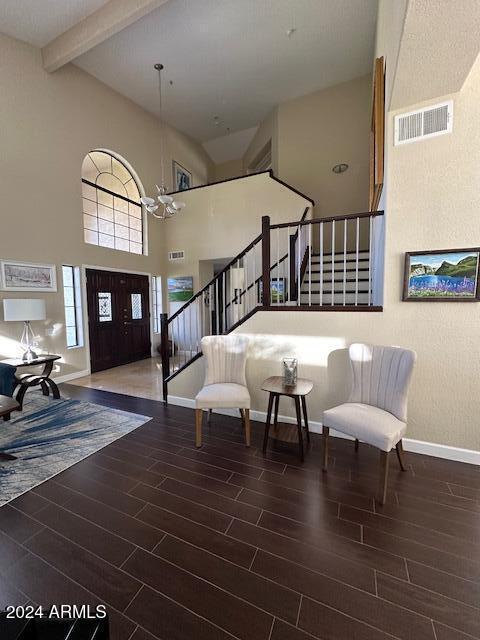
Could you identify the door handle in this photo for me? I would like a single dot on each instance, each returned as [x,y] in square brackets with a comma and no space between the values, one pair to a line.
[127,323]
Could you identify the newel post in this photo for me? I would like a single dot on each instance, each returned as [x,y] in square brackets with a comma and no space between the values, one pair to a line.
[165,354]
[266,261]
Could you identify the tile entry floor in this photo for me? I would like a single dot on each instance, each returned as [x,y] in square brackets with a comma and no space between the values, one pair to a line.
[222,543]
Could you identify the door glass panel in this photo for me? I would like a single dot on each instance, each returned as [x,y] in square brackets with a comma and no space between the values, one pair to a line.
[104,307]
[136,306]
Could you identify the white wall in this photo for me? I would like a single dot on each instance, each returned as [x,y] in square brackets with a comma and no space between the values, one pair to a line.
[432,202]
[49,122]
[220,220]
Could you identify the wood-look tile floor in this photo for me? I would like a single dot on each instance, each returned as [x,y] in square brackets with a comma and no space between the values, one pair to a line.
[223,543]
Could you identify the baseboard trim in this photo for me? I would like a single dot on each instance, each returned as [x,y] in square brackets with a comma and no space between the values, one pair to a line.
[415,446]
[71,376]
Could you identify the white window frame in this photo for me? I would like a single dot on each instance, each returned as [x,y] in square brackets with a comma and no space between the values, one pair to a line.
[77,305]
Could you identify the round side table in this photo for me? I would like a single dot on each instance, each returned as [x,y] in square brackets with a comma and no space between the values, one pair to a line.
[276,388]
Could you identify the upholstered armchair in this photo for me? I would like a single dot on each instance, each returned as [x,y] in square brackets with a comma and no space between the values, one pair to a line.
[225,386]
[376,411]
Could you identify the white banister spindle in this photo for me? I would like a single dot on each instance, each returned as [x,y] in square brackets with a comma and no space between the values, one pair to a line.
[344,261]
[333,262]
[370,260]
[278,265]
[357,247]
[321,263]
[309,265]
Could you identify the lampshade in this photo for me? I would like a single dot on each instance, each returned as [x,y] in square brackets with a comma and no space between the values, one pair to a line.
[21,309]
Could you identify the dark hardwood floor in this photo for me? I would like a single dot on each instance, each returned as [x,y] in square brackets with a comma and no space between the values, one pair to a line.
[223,543]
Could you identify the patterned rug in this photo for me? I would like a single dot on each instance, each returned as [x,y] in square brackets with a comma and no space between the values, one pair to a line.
[51,435]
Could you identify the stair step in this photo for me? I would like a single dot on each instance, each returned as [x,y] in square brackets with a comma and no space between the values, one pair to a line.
[338,287]
[339,257]
[338,298]
[314,276]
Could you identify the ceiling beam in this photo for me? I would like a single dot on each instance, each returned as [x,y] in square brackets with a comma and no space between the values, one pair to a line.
[114,16]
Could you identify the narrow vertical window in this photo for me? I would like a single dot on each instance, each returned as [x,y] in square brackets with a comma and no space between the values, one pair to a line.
[105,306]
[156,302]
[72,303]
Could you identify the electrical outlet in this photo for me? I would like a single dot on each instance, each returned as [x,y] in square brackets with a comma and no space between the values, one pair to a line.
[49,332]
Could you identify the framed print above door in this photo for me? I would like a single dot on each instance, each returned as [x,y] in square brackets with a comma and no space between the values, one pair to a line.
[28,276]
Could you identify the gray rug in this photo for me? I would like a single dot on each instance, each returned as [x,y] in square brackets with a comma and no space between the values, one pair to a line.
[51,435]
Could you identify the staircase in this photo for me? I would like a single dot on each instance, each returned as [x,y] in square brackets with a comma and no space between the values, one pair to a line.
[320,264]
[348,280]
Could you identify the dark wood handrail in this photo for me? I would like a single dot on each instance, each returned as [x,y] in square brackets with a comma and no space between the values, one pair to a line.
[212,281]
[350,216]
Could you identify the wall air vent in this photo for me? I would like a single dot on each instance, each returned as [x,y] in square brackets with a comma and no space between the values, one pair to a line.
[424,123]
[176,255]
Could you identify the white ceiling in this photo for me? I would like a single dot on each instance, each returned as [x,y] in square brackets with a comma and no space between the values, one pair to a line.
[233,59]
[229,147]
[226,58]
[40,21]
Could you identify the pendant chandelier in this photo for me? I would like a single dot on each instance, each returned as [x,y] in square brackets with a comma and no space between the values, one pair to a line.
[165,205]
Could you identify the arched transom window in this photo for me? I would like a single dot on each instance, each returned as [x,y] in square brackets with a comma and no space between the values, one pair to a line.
[112,213]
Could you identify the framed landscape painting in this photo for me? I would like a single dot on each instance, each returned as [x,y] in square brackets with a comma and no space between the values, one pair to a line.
[26,276]
[180,289]
[448,275]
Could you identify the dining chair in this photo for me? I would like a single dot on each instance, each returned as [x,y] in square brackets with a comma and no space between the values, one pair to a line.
[225,385]
[376,411]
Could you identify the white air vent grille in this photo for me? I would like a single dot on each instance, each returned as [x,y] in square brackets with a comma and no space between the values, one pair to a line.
[176,255]
[424,123]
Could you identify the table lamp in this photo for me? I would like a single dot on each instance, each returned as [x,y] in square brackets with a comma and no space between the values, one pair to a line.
[25,310]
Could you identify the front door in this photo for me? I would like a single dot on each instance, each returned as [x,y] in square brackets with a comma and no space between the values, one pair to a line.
[118,318]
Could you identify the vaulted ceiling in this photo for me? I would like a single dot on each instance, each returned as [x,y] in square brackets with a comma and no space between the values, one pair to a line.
[233,60]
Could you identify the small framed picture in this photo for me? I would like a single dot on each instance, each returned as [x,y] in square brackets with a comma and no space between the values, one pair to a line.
[26,276]
[449,275]
[278,290]
[182,179]
[180,289]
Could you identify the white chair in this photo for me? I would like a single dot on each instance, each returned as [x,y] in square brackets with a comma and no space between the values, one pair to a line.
[376,411]
[225,385]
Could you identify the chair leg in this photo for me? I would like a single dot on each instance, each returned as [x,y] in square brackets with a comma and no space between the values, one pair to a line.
[209,415]
[383,478]
[246,413]
[242,416]
[399,449]
[356,444]
[198,427]
[325,432]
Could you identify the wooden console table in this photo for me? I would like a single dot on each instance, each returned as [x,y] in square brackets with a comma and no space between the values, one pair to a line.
[27,380]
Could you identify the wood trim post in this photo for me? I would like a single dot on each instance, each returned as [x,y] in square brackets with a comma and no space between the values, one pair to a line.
[165,354]
[266,261]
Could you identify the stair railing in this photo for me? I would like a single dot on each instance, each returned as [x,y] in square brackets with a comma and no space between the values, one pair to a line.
[312,264]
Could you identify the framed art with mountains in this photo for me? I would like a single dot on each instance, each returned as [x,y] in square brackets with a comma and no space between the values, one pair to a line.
[448,275]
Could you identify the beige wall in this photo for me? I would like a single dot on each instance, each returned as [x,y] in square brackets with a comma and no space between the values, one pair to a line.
[221,220]
[48,124]
[226,170]
[432,203]
[267,132]
[318,131]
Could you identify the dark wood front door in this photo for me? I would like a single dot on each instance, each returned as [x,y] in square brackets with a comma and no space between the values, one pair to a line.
[118,318]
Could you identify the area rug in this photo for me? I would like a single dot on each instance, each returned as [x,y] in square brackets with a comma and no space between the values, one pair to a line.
[51,435]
